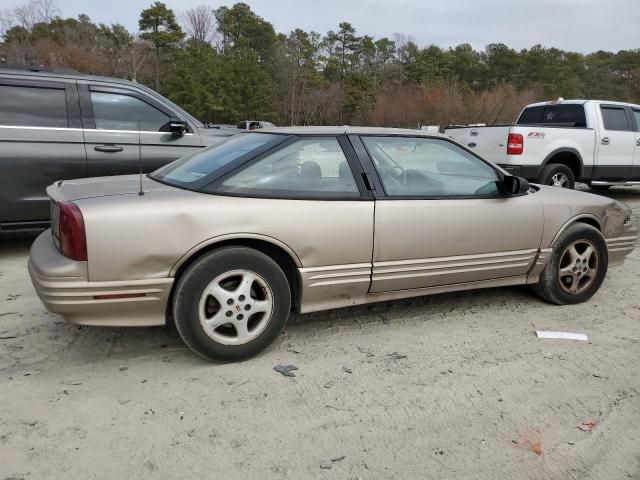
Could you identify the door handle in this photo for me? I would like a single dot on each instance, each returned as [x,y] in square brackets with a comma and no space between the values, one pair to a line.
[604,141]
[107,148]
[638,142]
[471,145]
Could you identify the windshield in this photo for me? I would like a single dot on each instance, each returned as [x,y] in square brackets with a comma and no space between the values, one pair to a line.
[190,169]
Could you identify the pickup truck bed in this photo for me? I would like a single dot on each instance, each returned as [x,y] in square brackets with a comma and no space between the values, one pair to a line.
[559,143]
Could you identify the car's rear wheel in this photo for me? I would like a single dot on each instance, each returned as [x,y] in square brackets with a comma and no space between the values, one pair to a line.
[577,268]
[231,304]
[557,175]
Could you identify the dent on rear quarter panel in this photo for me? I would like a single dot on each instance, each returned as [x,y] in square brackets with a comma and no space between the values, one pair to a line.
[141,237]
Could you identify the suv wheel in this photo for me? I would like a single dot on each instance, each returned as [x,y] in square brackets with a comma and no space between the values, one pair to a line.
[231,304]
[577,268]
[557,175]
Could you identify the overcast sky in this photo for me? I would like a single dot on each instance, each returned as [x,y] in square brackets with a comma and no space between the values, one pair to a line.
[578,25]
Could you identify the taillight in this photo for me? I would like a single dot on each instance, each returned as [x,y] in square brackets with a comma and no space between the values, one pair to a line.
[515,144]
[71,234]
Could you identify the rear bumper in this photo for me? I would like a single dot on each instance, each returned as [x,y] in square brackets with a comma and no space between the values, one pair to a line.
[63,288]
[619,248]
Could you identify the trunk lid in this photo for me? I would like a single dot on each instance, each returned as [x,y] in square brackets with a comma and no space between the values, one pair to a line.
[78,189]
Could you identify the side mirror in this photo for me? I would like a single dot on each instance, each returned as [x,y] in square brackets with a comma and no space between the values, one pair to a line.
[177,126]
[512,185]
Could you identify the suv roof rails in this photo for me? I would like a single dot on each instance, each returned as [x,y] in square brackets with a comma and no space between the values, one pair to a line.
[39,68]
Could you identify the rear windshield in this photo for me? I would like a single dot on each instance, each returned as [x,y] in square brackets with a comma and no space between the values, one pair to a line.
[203,163]
[554,115]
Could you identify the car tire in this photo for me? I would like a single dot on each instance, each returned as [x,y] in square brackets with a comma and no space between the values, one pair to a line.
[574,276]
[557,175]
[231,304]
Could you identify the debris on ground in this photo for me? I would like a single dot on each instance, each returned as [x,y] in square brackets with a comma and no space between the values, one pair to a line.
[588,426]
[530,440]
[562,335]
[396,356]
[329,465]
[347,370]
[329,384]
[366,352]
[286,370]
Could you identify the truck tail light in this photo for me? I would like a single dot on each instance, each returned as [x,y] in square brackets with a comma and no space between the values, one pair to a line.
[71,234]
[515,144]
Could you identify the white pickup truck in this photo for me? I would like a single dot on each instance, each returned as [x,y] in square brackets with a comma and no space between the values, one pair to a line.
[564,141]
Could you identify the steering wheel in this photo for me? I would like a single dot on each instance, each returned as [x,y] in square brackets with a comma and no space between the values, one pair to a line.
[395,177]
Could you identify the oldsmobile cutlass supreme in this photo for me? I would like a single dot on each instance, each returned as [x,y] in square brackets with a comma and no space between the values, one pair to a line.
[228,240]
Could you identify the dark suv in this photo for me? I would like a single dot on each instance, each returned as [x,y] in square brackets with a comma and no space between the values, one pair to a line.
[56,125]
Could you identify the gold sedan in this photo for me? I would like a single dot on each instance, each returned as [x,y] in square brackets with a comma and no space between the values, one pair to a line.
[228,240]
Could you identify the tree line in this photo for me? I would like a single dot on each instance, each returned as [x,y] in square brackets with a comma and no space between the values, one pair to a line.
[227,64]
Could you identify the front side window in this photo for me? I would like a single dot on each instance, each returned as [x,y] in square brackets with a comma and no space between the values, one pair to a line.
[33,107]
[428,167]
[309,167]
[614,118]
[113,111]
[636,114]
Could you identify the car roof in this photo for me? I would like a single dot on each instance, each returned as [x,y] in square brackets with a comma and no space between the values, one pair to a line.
[579,102]
[349,130]
[64,73]
[68,74]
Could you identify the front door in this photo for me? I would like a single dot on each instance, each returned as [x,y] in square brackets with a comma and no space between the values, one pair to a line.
[443,220]
[126,131]
[615,144]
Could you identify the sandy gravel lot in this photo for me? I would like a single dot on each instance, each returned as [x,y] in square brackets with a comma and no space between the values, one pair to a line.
[452,386]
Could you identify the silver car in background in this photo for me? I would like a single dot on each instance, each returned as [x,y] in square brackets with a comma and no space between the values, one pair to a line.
[228,240]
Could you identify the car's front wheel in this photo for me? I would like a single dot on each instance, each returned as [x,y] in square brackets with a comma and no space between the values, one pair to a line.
[231,304]
[577,268]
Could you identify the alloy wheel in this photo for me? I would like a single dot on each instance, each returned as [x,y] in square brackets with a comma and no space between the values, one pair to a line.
[235,307]
[578,267]
[559,180]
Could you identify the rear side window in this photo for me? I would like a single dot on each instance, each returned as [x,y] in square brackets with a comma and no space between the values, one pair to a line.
[33,107]
[615,118]
[208,161]
[310,167]
[113,111]
[558,115]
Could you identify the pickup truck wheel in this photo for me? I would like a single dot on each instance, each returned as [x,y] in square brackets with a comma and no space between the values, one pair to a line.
[557,175]
[577,268]
[231,304]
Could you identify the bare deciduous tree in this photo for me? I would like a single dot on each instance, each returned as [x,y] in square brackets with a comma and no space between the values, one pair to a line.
[200,24]
[35,11]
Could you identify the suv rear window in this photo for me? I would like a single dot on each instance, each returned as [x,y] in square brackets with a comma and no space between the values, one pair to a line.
[33,107]
[558,115]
